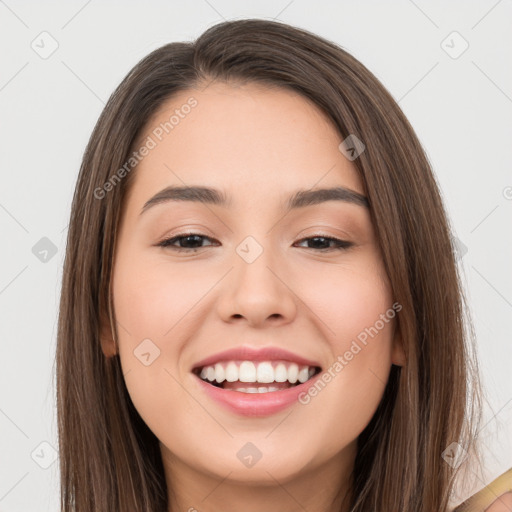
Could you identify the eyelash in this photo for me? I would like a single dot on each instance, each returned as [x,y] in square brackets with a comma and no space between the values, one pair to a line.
[166,243]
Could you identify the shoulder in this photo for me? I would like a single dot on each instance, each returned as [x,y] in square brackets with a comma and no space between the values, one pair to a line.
[502,504]
[494,497]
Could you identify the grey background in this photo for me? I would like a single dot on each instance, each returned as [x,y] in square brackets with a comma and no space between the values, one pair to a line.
[460,108]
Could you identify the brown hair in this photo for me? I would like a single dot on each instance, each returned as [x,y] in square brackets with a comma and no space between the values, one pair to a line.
[109,459]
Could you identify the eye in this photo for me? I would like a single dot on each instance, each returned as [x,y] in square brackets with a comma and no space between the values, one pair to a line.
[323,240]
[192,242]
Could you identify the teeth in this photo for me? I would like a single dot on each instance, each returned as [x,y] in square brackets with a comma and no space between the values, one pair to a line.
[231,372]
[293,372]
[262,389]
[264,372]
[220,374]
[281,373]
[303,374]
[210,373]
[247,372]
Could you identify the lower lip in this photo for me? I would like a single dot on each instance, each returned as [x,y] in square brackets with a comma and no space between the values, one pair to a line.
[256,404]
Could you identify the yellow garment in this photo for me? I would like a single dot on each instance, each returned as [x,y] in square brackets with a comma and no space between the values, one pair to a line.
[483,499]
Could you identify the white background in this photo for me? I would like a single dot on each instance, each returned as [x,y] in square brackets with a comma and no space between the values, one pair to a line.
[460,108]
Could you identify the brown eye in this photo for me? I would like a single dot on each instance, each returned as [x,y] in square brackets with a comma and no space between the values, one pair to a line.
[186,241]
[193,241]
[321,243]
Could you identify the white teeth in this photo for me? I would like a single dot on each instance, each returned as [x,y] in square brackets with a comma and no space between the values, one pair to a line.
[303,374]
[281,373]
[220,374]
[210,373]
[231,372]
[263,389]
[247,372]
[264,372]
[293,373]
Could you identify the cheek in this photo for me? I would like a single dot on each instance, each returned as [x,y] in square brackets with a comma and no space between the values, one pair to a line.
[155,307]
[349,299]
[152,297]
[356,309]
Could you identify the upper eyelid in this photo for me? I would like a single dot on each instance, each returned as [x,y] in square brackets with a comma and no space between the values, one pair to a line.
[184,235]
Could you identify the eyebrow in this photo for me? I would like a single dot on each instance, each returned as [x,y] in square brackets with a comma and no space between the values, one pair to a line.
[299,199]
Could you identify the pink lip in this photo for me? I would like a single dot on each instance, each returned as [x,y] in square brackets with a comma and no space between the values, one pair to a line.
[256,404]
[246,353]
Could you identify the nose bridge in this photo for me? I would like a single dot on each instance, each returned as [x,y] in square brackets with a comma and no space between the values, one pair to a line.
[255,288]
[252,265]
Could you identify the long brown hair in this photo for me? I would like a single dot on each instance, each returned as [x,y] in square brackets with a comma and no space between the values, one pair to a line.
[109,459]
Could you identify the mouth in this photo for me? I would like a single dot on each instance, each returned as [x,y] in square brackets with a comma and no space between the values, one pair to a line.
[246,376]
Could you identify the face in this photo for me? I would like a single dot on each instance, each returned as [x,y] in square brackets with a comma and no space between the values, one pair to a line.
[251,273]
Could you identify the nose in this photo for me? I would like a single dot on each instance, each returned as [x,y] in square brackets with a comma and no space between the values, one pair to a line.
[258,293]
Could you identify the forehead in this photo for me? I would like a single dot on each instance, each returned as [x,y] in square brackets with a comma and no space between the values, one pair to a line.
[245,139]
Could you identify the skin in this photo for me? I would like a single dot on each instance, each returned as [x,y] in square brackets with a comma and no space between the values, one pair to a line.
[259,145]
[502,504]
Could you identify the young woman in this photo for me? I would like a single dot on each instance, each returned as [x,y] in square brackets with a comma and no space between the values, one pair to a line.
[260,307]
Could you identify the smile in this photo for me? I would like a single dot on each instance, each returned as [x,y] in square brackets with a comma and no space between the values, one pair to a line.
[256,376]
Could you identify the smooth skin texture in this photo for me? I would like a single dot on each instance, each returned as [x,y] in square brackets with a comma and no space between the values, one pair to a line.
[259,146]
[502,504]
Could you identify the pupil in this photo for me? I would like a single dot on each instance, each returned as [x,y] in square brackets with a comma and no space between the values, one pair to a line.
[315,239]
[196,237]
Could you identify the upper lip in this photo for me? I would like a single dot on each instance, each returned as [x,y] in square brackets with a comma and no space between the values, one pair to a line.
[247,353]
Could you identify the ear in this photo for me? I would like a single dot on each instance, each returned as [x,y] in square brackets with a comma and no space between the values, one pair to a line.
[108,344]
[398,353]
